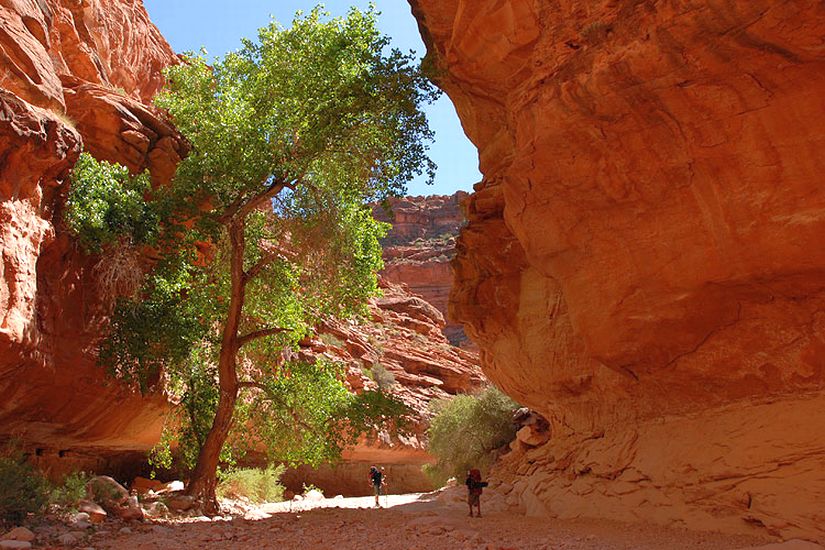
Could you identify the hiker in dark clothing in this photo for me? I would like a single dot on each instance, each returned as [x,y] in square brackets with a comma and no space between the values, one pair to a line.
[474,488]
[377,480]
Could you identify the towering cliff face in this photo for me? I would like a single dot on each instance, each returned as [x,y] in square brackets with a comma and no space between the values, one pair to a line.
[73,75]
[79,75]
[643,261]
[420,246]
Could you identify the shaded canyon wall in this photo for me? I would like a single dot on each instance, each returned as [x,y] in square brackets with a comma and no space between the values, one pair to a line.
[643,262]
[73,75]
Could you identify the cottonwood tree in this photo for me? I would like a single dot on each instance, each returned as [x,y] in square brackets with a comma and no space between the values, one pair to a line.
[264,232]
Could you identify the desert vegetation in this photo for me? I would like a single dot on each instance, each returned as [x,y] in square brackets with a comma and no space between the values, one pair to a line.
[264,232]
[466,430]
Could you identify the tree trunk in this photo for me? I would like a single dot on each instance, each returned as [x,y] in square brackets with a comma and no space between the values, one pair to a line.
[204,476]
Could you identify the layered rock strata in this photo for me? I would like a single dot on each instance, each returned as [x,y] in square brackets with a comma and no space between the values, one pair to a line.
[420,246]
[73,75]
[80,76]
[643,260]
[403,352]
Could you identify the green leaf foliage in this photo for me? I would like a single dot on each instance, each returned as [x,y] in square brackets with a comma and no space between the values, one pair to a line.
[106,205]
[23,490]
[466,429]
[292,136]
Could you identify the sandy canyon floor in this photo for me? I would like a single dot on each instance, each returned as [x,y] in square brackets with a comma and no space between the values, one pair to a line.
[411,521]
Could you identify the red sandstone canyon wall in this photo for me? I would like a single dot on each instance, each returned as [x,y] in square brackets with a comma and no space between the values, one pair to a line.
[80,75]
[403,339]
[643,262]
[420,246]
[73,75]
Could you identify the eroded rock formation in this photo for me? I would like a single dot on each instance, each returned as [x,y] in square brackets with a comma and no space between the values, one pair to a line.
[80,75]
[403,351]
[420,246]
[73,75]
[643,262]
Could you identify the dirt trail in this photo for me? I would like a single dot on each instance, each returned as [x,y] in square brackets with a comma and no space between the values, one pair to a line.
[408,522]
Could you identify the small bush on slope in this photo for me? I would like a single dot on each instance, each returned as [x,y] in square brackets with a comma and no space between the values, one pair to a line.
[465,429]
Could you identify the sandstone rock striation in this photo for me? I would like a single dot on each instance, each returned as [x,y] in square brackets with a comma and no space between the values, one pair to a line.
[643,260]
[402,351]
[420,246]
[73,75]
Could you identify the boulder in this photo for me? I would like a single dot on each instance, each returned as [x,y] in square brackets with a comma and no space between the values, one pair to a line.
[19,533]
[113,498]
[94,512]
[180,503]
[107,492]
[532,437]
[142,485]
[156,510]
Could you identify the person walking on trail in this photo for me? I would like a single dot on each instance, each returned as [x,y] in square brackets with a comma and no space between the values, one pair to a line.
[377,479]
[474,488]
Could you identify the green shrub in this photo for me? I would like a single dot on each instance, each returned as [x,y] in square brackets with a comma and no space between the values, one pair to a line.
[106,205]
[23,490]
[70,491]
[465,429]
[256,484]
[436,476]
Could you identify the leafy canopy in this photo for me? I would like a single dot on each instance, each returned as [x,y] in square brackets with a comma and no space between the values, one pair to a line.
[466,429]
[292,135]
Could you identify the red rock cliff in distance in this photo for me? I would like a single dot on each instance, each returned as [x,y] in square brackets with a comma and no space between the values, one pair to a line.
[420,246]
[73,75]
[401,350]
[643,262]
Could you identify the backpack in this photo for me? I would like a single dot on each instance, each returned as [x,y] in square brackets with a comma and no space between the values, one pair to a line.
[376,476]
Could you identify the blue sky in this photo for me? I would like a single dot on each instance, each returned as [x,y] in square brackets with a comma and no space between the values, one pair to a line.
[219,25]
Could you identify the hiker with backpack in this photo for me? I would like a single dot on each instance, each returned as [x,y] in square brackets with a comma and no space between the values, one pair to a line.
[377,480]
[474,488]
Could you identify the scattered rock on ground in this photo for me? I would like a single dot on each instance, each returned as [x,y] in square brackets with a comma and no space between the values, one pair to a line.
[180,503]
[19,533]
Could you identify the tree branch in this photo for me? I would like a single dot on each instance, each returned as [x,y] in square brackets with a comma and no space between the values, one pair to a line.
[257,385]
[254,335]
[239,207]
[260,265]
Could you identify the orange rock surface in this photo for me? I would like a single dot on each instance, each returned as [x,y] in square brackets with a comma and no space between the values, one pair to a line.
[419,248]
[403,351]
[79,75]
[73,75]
[643,262]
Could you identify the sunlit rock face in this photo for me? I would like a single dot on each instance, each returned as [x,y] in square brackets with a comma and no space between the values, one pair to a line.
[419,247]
[643,262]
[401,350]
[73,75]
